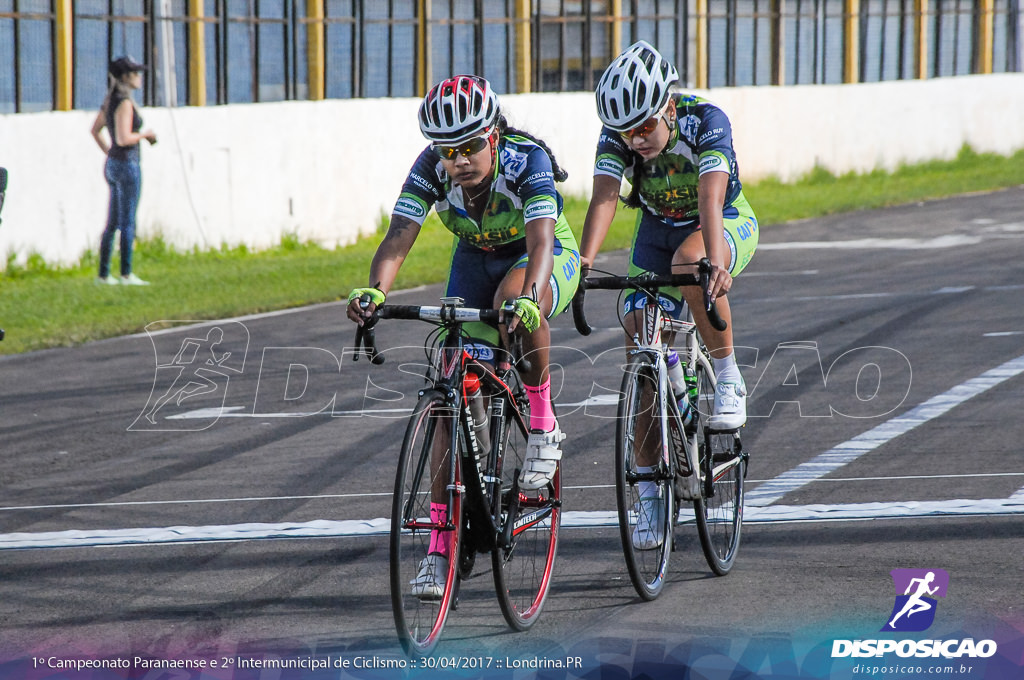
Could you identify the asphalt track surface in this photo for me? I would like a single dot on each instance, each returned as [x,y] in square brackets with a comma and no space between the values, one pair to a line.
[884,352]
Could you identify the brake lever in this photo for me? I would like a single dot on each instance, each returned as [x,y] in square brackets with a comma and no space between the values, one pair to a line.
[704,268]
[366,337]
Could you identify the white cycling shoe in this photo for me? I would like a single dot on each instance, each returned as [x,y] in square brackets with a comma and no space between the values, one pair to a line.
[649,532]
[542,456]
[430,581]
[730,412]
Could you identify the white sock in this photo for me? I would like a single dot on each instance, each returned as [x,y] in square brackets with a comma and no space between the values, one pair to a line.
[726,369]
[646,489]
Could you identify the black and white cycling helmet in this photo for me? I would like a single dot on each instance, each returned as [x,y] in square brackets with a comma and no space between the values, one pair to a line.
[634,87]
[457,109]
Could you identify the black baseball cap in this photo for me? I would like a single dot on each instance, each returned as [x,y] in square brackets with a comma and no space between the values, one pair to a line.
[124,65]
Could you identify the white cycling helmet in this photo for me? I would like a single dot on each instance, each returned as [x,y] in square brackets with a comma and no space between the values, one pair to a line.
[457,109]
[634,87]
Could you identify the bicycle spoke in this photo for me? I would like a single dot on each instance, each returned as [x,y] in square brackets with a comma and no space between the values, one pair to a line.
[719,513]
[645,499]
[425,469]
[530,521]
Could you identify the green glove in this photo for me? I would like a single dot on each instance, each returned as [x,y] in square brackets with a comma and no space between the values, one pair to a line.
[376,295]
[528,311]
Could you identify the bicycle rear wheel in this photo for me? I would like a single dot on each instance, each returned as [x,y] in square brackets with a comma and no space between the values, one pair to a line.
[719,511]
[424,470]
[524,556]
[646,518]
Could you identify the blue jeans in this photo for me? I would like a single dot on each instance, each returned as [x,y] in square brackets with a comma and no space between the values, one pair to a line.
[125,180]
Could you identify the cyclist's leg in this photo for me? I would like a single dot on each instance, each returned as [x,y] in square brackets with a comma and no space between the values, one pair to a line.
[741,236]
[652,251]
[464,281]
[543,450]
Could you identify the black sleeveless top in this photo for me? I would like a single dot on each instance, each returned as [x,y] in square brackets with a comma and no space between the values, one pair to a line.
[125,153]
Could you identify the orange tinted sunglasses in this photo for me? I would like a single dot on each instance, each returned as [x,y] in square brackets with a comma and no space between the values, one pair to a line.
[643,129]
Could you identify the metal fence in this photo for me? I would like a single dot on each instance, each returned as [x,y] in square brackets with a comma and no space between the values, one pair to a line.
[53,53]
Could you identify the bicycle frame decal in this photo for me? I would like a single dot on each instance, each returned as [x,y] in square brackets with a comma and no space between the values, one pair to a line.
[527,521]
[652,325]
[449,358]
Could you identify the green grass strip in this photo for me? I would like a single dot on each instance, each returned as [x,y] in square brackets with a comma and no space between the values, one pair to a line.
[43,306]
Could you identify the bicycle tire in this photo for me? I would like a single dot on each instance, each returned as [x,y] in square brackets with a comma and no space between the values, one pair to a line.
[523,558]
[719,510]
[647,567]
[419,620]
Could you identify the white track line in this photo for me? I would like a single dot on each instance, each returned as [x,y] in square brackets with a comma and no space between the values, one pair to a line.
[570,520]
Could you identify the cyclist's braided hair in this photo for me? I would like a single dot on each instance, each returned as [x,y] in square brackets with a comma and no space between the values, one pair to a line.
[503,128]
[633,199]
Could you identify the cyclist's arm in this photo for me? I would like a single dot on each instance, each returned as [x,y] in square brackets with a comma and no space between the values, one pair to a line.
[711,189]
[388,259]
[603,202]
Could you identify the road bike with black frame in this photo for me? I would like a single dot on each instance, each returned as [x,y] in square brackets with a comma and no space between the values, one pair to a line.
[443,461]
[695,463]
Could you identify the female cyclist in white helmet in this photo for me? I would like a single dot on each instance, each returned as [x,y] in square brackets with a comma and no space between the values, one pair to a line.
[494,187]
[676,152]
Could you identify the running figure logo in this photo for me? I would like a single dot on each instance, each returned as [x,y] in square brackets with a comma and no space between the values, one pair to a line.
[187,368]
[916,590]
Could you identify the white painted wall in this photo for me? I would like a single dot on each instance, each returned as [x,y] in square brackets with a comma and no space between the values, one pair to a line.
[327,171]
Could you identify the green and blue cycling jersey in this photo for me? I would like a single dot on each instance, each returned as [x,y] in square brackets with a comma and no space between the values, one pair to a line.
[701,142]
[485,250]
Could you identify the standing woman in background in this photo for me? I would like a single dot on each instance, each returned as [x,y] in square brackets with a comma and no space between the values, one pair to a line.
[122,170]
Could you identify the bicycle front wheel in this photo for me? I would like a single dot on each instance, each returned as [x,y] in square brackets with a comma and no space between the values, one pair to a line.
[719,510]
[528,521]
[643,488]
[420,533]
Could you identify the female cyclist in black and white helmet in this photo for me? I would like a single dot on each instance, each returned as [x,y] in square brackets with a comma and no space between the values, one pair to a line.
[494,187]
[676,152]
[634,87]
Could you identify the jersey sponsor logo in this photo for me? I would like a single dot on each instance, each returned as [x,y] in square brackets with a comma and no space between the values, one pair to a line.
[539,209]
[614,140]
[688,127]
[409,207]
[612,165]
[479,351]
[538,177]
[638,301]
[513,162]
[709,134]
[747,229]
[709,163]
[571,266]
[673,195]
[424,183]
[469,233]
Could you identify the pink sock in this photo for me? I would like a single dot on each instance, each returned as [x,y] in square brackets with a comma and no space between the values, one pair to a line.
[542,416]
[438,539]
